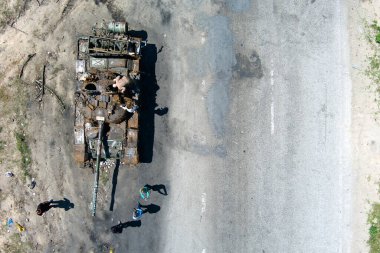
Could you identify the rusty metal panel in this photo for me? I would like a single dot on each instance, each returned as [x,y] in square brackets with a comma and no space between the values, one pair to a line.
[79,153]
[82,48]
[98,63]
[117,63]
[78,135]
[79,119]
[136,66]
[117,132]
[131,156]
[133,122]
[132,137]
[102,104]
[80,66]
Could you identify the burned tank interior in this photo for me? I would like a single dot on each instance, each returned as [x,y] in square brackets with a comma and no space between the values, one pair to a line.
[107,95]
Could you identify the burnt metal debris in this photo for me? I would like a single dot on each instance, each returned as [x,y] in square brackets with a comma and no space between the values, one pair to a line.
[106,99]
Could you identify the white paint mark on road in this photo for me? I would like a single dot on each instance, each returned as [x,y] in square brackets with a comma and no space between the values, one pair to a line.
[272,118]
[203,87]
[203,203]
[272,99]
[271,76]
[204,251]
[203,38]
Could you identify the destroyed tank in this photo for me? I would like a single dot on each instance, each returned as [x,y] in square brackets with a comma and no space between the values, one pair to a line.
[106,98]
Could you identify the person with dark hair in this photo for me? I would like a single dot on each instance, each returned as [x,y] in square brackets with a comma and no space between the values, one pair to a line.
[145,192]
[43,207]
[137,212]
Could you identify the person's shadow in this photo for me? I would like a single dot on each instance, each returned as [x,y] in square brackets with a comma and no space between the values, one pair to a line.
[118,229]
[64,204]
[151,208]
[160,188]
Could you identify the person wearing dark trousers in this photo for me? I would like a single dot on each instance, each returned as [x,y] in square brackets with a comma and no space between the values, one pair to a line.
[43,207]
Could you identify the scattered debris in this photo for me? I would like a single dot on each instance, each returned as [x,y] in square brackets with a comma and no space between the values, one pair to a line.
[40,2]
[30,56]
[9,174]
[109,163]
[40,86]
[20,228]
[10,222]
[32,184]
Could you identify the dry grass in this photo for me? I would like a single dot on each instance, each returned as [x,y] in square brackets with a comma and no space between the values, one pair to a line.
[14,99]
[15,244]
[372,34]
[10,11]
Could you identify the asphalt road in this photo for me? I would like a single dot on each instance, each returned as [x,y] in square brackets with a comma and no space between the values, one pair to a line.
[254,148]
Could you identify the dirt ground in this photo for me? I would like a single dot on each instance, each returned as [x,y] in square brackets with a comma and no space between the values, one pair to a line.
[47,29]
[365,124]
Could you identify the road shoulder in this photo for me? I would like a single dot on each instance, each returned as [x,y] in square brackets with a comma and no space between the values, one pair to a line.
[364,129]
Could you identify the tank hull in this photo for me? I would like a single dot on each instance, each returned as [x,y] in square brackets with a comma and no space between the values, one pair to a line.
[107,74]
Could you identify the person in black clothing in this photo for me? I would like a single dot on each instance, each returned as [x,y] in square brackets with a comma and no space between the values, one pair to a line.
[43,207]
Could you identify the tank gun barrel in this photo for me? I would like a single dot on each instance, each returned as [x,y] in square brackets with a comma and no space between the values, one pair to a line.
[98,155]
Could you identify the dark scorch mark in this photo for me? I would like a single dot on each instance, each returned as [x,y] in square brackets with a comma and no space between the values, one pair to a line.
[247,67]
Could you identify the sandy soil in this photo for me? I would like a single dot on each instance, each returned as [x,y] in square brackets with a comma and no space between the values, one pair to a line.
[365,128]
[49,30]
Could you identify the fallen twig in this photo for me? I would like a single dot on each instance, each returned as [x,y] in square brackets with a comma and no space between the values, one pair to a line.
[40,2]
[23,9]
[30,56]
[52,92]
[12,26]
[43,80]
[67,8]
